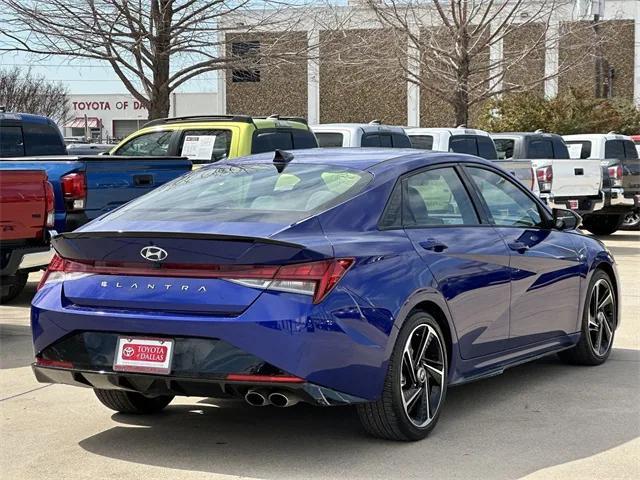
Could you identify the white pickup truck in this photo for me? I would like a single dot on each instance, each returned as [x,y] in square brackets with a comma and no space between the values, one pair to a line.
[618,158]
[564,182]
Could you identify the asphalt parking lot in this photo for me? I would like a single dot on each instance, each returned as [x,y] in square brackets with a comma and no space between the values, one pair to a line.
[544,420]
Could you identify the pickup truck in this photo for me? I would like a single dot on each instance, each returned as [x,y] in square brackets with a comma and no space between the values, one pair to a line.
[563,182]
[85,187]
[372,134]
[621,177]
[26,214]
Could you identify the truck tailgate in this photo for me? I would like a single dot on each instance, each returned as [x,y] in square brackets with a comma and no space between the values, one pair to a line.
[576,178]
[23,205]
[115,180]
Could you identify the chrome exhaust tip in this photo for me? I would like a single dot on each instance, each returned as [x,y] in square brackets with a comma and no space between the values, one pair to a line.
[256,399]
[279,399]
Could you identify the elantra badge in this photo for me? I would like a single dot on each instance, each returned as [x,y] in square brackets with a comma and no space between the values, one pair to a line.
[154,254]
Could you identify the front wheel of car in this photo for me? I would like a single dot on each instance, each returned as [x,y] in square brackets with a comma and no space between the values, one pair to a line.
[598,324]
[415,386]
[132,402]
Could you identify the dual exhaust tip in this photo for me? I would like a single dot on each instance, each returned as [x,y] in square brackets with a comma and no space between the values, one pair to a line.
[257,398]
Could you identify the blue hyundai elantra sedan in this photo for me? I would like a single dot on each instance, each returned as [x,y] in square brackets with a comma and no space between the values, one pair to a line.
[374,277]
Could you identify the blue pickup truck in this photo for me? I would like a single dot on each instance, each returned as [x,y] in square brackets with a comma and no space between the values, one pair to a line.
[85,187]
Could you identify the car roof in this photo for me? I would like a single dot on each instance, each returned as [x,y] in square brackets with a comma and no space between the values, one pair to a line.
[451,131]
[523,134]
[366,127]
[372,159]
[592,136]
[23,117]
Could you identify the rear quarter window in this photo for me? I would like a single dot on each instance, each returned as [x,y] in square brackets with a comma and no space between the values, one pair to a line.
[11,142]
[330,139]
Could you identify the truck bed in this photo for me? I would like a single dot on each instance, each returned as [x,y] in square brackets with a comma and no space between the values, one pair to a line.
[23,208]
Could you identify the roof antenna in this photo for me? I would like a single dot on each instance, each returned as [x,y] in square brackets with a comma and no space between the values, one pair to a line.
[281,159]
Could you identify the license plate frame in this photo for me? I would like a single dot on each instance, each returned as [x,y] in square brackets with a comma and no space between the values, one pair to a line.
[143,360]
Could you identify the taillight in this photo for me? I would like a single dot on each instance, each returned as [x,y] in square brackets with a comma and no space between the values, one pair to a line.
[49,200]
[615,175]
[545,178]
[74,190]
[314,278]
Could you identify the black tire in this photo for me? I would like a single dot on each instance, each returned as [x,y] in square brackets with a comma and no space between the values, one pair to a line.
[386,418]
[12,285]
[602,224]
[584,352]
[132,402]
[631,221]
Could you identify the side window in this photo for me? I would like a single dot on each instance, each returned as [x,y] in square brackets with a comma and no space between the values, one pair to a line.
[205,146]
[504,147]
[540,149]
[614,149]
[436,197]
[11,142]
[270,141]
[579,149]
[424,142]
[303,139]
[400,141]
[329,139]
[508,205]
[370,140]
[42,139]
[486,148]
[148,144]
[463,144]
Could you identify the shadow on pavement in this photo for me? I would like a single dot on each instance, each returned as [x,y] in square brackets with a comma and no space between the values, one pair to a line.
[503,427]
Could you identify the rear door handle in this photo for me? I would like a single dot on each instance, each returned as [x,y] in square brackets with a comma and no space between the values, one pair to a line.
[433,245]
[519,247]
[142,180]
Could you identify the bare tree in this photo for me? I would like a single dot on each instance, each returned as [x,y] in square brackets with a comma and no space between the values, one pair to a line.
[20,91]
[464,52]
[153,46]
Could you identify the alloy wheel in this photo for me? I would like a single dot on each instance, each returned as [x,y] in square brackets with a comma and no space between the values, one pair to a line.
[423,375]
[601,317]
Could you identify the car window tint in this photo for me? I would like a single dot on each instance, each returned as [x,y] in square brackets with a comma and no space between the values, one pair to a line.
[463,144]
[508,205]
[630,152]
[370,140]
[148,144]
[504,147]
[540,148]
[579,149]
[486,148]
[329,139]
[303,139]
[11,142]
[400,141]
[614,149]
[385,140]
[436,197]
[205,145]
[425,142]
[270,141]
[42,139]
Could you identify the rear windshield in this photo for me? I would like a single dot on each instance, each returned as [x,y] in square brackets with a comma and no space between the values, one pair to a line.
[249,192]
[329,139]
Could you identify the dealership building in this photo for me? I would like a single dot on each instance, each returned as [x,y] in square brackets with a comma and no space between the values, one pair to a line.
[111,117]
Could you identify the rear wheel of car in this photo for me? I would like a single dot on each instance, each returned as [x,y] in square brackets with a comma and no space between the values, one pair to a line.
[132,402]
[602,224]
[598,324]
[12,285]
[631,221]
[416,384]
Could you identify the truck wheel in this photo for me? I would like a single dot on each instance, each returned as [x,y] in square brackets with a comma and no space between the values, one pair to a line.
[631,221]
[131,402]
[12,285]
[602,224]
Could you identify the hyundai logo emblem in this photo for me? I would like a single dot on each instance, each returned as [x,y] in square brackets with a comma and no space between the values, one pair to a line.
[154,254]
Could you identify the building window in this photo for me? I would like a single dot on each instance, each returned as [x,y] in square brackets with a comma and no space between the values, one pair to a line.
[245,52]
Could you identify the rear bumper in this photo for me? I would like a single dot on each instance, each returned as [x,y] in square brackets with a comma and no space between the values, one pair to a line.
[585,204]
[153,385]
[616,197]
[27,258]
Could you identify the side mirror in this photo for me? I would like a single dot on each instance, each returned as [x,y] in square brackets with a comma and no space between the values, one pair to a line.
[564,219]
